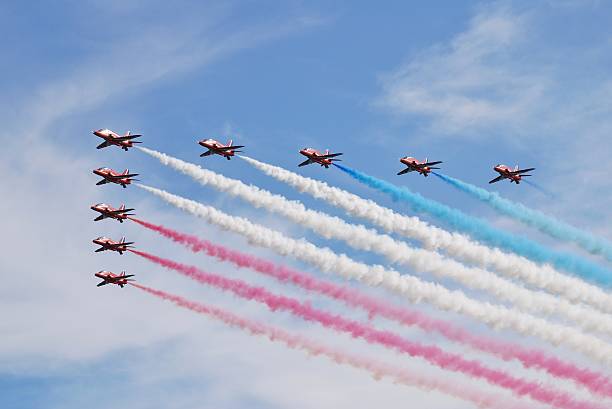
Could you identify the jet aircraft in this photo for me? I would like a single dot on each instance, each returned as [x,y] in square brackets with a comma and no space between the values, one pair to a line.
[414,165]
[112,278]
[111,138]
[314,156]
[109,244]
[215,147]
[111,176]
[507,173]
[108,212]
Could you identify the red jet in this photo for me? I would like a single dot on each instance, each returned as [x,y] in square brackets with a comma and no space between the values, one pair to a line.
[414,165]
[112,278]
[108,212]
[110,176]
[109,244]
[314,156]
[507,173]
[218,148]
[112,138]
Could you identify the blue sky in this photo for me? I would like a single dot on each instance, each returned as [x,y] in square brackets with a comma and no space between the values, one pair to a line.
[470,83]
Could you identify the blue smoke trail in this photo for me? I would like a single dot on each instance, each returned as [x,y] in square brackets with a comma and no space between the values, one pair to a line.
[540,189]
[483,231]
[533,218]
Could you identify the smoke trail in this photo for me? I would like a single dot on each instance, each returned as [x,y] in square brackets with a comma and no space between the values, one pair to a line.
[530,358]
[426,261]
[541,189]
[412,288]
[455,244]
[533,218]
[430,353]
[378,370]
[481,230]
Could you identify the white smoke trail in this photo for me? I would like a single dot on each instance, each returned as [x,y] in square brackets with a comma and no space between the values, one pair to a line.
[361,238]
[454,244]
[412,288]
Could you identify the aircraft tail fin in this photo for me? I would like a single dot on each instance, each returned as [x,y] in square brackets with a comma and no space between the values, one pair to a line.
[230,143]
[127,171]
[128,133]
[516,167]
[327,151]
[122,207]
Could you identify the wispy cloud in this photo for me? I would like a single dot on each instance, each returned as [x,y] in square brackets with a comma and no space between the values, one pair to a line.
[469,82]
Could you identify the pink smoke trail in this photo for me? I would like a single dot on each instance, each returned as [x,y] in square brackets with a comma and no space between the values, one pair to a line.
[388,339]
[378,370]
[530,358]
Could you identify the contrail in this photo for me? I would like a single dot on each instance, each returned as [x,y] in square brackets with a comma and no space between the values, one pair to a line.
[482,230]
[377,369]
[361,238]
[430,353]
[530,358]
[412,288]
[533,218]
[454,244]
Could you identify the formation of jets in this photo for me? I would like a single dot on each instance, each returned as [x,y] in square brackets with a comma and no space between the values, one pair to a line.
[214,147]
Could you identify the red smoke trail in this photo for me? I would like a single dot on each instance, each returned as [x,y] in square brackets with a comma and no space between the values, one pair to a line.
[388,339]
[530,358]
[377,369]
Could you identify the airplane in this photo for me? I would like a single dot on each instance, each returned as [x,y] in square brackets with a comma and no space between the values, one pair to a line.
[507,173]
[112,278]
[110,176]
[109,212]
[414,165]
[109,244]
[218,148]
[314,156]
[112,138]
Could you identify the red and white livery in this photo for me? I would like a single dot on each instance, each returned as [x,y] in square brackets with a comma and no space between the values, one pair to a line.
[109,212]
[414,165]
[112,278]
[111,138]
[314,156]
[111,176]
[514,175]
[217,148]
[109,244]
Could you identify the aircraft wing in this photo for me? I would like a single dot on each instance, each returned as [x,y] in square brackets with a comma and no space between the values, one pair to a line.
[102,182]
[101,217]
[104,145]
[405,171]
[330,155]
[101,249]
[207,153]
[497,179]
[119,211]
[103,283]
[306,162]
[430,163]
[229,148]
[518,172]
[127,137]
[129,175]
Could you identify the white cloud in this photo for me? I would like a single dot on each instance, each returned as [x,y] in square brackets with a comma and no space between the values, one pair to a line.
[470,82]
